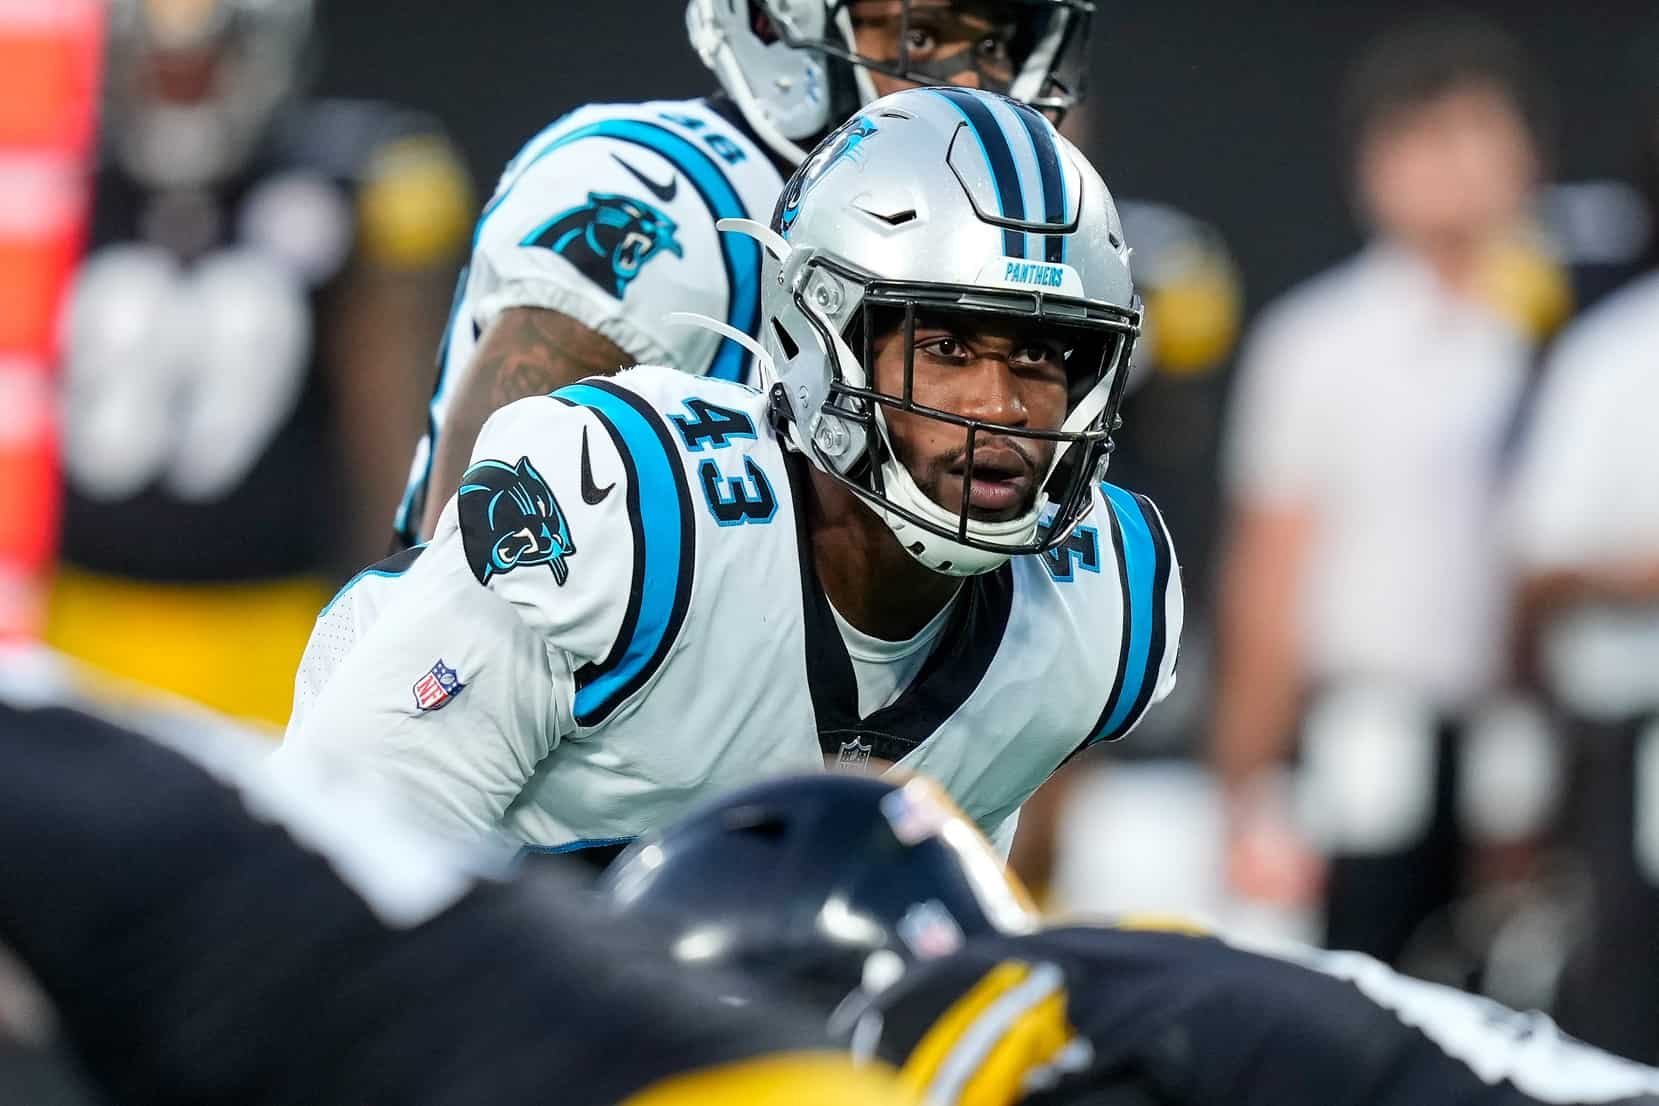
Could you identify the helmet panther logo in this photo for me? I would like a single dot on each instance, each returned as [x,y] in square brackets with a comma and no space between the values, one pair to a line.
[609,239]
[847,139]
[509,519]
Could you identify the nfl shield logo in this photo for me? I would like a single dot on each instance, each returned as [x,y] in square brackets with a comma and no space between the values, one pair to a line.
[437,687]
[854,754]
[930,931]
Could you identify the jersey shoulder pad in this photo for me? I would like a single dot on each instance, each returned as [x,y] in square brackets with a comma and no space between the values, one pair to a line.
[1119,570]
[577,510]
[608,216]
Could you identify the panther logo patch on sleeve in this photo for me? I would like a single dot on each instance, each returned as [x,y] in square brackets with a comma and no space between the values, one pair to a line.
[509,519]
[609,239]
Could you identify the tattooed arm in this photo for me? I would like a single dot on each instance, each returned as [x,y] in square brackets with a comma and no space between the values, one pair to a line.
[526,351]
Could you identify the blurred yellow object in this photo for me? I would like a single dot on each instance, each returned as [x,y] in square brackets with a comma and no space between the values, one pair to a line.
[1160,923]
[789,1079]
[1193,319]
[416,205]
[1527,285]
[232,647]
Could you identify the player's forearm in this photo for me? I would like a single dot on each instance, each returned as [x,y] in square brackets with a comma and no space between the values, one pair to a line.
[381,364]
[1259,679]
[526,352]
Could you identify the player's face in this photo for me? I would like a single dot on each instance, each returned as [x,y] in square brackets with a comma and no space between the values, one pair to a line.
[1451,171]
[996,372]
[950,41]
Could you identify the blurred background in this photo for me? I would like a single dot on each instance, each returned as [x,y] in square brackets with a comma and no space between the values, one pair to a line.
[1390,403]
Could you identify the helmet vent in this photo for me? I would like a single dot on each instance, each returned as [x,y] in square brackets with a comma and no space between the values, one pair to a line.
[897,219]
[785,341]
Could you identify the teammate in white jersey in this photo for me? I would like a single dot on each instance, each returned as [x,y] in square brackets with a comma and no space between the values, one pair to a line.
[657,587]
[604,223]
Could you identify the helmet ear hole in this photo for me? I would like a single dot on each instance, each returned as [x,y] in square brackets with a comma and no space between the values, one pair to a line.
[761,23]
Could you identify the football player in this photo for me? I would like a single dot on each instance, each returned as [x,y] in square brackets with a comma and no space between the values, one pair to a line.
[604,224]
[255,295]
[206,936]
[899,550]
[879,902]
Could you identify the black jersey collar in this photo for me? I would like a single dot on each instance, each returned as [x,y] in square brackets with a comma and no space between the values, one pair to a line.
[953,670]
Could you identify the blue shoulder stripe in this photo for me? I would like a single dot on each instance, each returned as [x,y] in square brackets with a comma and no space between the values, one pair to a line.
[391,567]
[579,846]
[993,143]
[665,537]
[1144,567]
[1052,175]
[739,253]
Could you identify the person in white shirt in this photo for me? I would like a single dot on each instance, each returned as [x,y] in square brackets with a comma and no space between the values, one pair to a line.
[1584,533]
[1360,607]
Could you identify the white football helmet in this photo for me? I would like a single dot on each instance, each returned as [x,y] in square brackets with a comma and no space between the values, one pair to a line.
[943,201]
[192,85]
[794,69]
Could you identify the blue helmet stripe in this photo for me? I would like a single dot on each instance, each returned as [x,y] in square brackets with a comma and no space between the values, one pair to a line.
[1145,562]
[993,143]
[659,506]
[739,253]
[1053,178]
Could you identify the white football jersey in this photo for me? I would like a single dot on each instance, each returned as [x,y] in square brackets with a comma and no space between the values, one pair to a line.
[608,216]
[619,617]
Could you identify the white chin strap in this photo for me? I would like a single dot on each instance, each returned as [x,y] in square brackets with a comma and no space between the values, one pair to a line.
[775,245]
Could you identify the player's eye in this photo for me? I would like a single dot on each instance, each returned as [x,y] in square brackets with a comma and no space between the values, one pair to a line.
[945,348]
[1040,358]
[992,48]
[920,40]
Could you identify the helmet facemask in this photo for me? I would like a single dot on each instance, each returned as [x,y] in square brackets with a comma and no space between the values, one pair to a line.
[1031,50]
[193,86]
[1098,338]
[796,70]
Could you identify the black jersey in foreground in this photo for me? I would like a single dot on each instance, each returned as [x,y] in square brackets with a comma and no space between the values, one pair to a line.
[209,943]
[1091,1015]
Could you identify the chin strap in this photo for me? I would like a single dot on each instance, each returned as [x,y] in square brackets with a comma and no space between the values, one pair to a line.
[763,360]
[774,244]
[1085,413]
[771,240]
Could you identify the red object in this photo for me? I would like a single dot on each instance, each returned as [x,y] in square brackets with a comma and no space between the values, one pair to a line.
[49,57]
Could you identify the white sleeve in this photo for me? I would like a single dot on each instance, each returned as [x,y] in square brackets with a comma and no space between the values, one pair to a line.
[1498,1044]
[447,700]
[1556,490]
[467,674]
[610,220]
[1273,446]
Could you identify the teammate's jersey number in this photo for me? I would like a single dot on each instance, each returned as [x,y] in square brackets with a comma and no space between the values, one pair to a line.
[727,150]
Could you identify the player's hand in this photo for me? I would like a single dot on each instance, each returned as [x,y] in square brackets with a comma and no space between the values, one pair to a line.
[1269,859]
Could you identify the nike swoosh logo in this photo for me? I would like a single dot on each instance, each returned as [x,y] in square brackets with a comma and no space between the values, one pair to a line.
[592,494]
[663,192]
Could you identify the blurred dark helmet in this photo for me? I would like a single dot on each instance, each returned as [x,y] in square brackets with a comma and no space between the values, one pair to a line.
[828,883]
[192,85]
